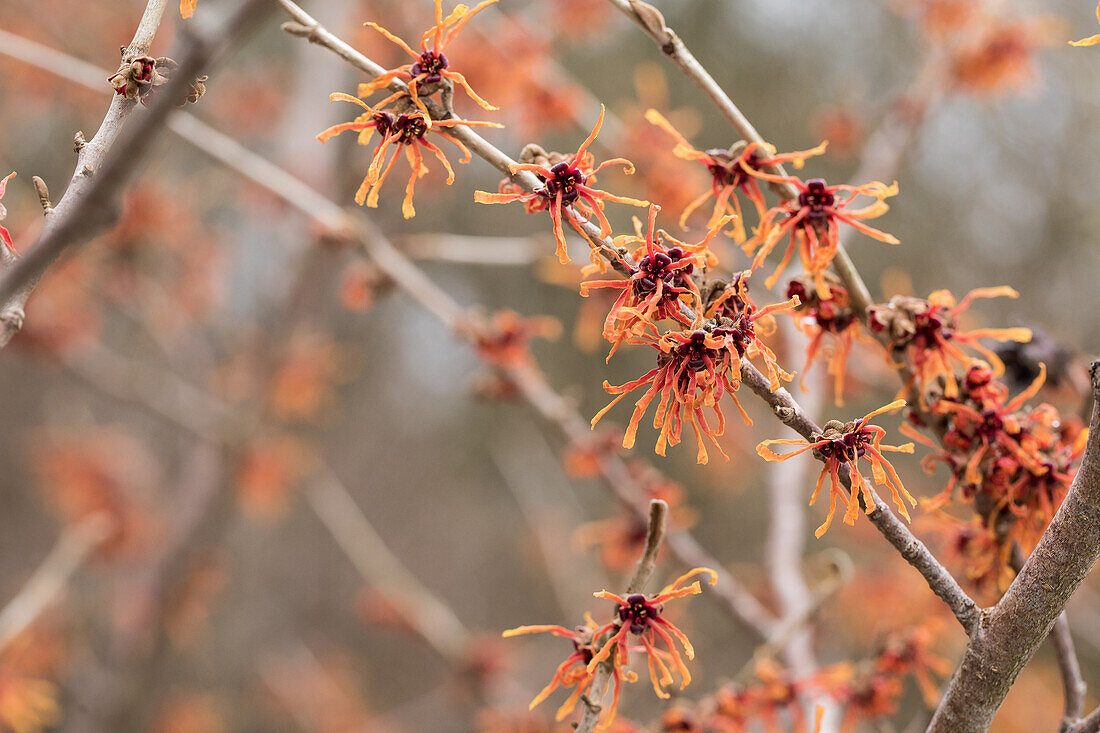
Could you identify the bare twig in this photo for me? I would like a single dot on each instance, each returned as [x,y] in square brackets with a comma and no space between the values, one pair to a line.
[77,543]
[432,619]
[1073,684]
[1090,724]
[533,473]
[794,622]
[107,162]
[786,541]
[1012,630]
[658,515]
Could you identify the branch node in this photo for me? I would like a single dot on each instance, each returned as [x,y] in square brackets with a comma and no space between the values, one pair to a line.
[295,28]
[11,322]
[43,192]
[78,141]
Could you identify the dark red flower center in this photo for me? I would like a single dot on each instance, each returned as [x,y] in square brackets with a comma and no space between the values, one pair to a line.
[991,424]
[410,128]
[564,179]
[696,352]
[816,198]
[638,612]
[657,267]
[927,326]
[848,447]
[726,169]
[430,65]
[383,122]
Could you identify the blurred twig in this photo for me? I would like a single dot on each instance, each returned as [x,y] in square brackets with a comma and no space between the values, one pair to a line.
[432,619]
[474,250]
[794,622]
[77,543]
[106,163]
[531,472]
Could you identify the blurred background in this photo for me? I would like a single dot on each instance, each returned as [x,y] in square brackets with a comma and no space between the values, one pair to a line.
[309,477]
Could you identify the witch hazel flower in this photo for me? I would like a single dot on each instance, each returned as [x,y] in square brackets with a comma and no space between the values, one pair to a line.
[736,314]
[640,619]
[827,320]
[639,625]
[1012,462]
[694,369]
[843,444]
[925,334]
[660,286]
[730,174]
[567,190]
[430,67]
[812,221]
[574,672]
[405,132]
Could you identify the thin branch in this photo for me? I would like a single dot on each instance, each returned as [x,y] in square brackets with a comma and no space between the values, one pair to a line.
[797,617]
[147,29]
[1012,630]
[1073,684]
[107,162]
[1091,724]
[655,533]
[913,550]
[77,543]
[433,619]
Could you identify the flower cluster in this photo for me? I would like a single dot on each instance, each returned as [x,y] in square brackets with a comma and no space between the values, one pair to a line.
[659,284]
[925,335]
[403,120]
[843,444]
[695,368]
[732,171]
[405,129]
[639,625]
[1012,462]
[430,66]
[567,190]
